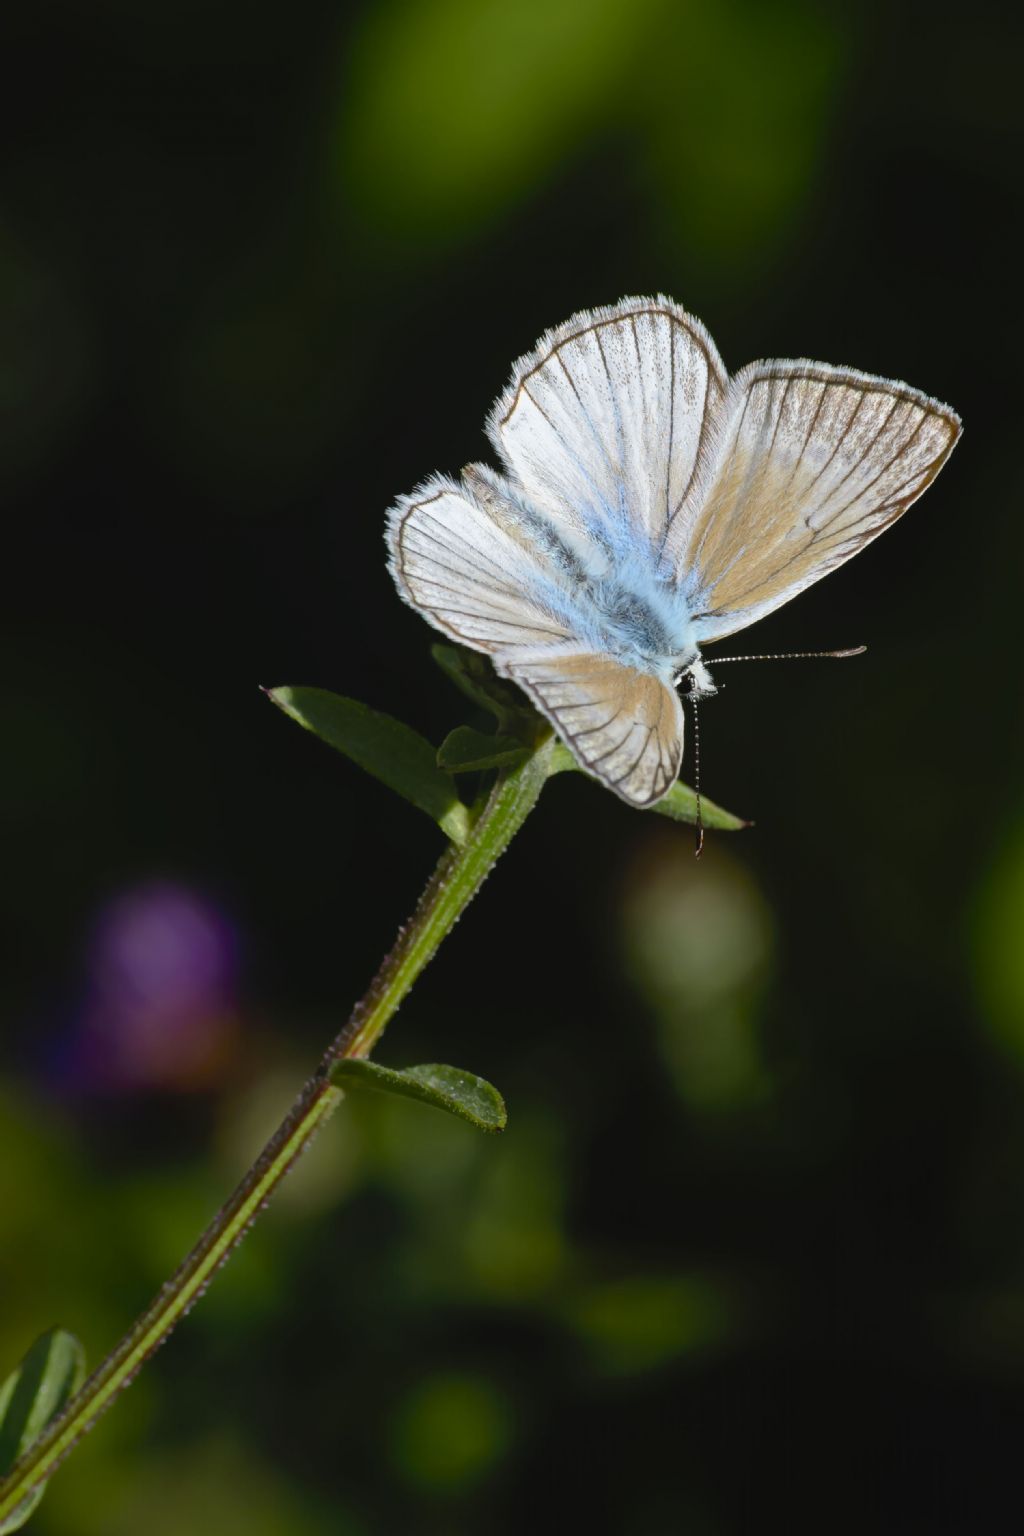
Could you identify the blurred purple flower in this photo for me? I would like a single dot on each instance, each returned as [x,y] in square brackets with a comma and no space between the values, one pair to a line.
[161,1003]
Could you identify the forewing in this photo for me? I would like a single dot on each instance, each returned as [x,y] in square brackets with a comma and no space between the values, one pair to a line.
[815,462]
[463,557]
[609,425]
[623,726]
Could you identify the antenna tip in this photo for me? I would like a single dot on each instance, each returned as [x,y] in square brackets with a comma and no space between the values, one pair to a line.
[854,650]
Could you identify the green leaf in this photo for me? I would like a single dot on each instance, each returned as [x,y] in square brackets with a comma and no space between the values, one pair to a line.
[680,804]
[33,1394]
[467,751]
[391,751]
[458,1093]
[474,676]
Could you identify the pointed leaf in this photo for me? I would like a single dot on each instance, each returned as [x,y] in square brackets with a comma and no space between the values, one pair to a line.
[449,1088]
[33,1394]
[391,751]
[680,804]
[467,751]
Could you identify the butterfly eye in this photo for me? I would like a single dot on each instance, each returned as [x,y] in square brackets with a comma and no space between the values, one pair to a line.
[701,683]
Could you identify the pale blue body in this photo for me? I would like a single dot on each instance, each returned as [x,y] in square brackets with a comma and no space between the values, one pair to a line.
[615,593]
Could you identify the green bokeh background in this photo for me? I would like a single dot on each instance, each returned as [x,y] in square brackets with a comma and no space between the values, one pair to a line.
[751,1253]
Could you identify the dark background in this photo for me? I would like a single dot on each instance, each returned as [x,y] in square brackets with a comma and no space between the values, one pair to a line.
[751,1253]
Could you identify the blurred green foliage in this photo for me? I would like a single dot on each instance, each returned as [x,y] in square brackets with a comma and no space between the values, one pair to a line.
[449,1431]
[455,109]
[698,945]
[636,1325]
[998,944]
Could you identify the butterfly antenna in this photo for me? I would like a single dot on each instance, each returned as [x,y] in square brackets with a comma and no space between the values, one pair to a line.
[699,848]
[855,650]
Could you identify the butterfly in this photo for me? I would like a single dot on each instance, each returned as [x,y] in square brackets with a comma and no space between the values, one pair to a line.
[650,505]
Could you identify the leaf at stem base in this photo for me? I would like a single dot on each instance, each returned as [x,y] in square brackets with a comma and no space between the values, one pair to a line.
[34,1393]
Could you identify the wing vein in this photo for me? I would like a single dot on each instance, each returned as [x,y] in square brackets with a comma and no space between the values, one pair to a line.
[837,444]
[902,449]
[671,429]
[865,452]
[697,454]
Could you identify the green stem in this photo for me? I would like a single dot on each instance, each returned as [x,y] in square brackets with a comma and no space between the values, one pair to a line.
[459,875]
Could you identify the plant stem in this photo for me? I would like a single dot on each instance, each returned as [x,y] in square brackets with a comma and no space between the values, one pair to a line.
[459,875]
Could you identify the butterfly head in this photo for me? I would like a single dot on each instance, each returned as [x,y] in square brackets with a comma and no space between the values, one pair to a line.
[701,683]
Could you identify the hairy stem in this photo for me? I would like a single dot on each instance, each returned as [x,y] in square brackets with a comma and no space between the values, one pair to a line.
[456,880]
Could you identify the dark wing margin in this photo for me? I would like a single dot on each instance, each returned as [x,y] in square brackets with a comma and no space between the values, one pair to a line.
[461,558]
[814,463]
[609,423]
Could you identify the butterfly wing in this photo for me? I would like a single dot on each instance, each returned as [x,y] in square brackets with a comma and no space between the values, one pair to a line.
[625,727]
[609,425]
[624,441]
[482,568]
[813,464]
[465,558]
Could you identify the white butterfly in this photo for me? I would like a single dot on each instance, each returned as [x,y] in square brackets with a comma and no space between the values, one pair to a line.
[651,504]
